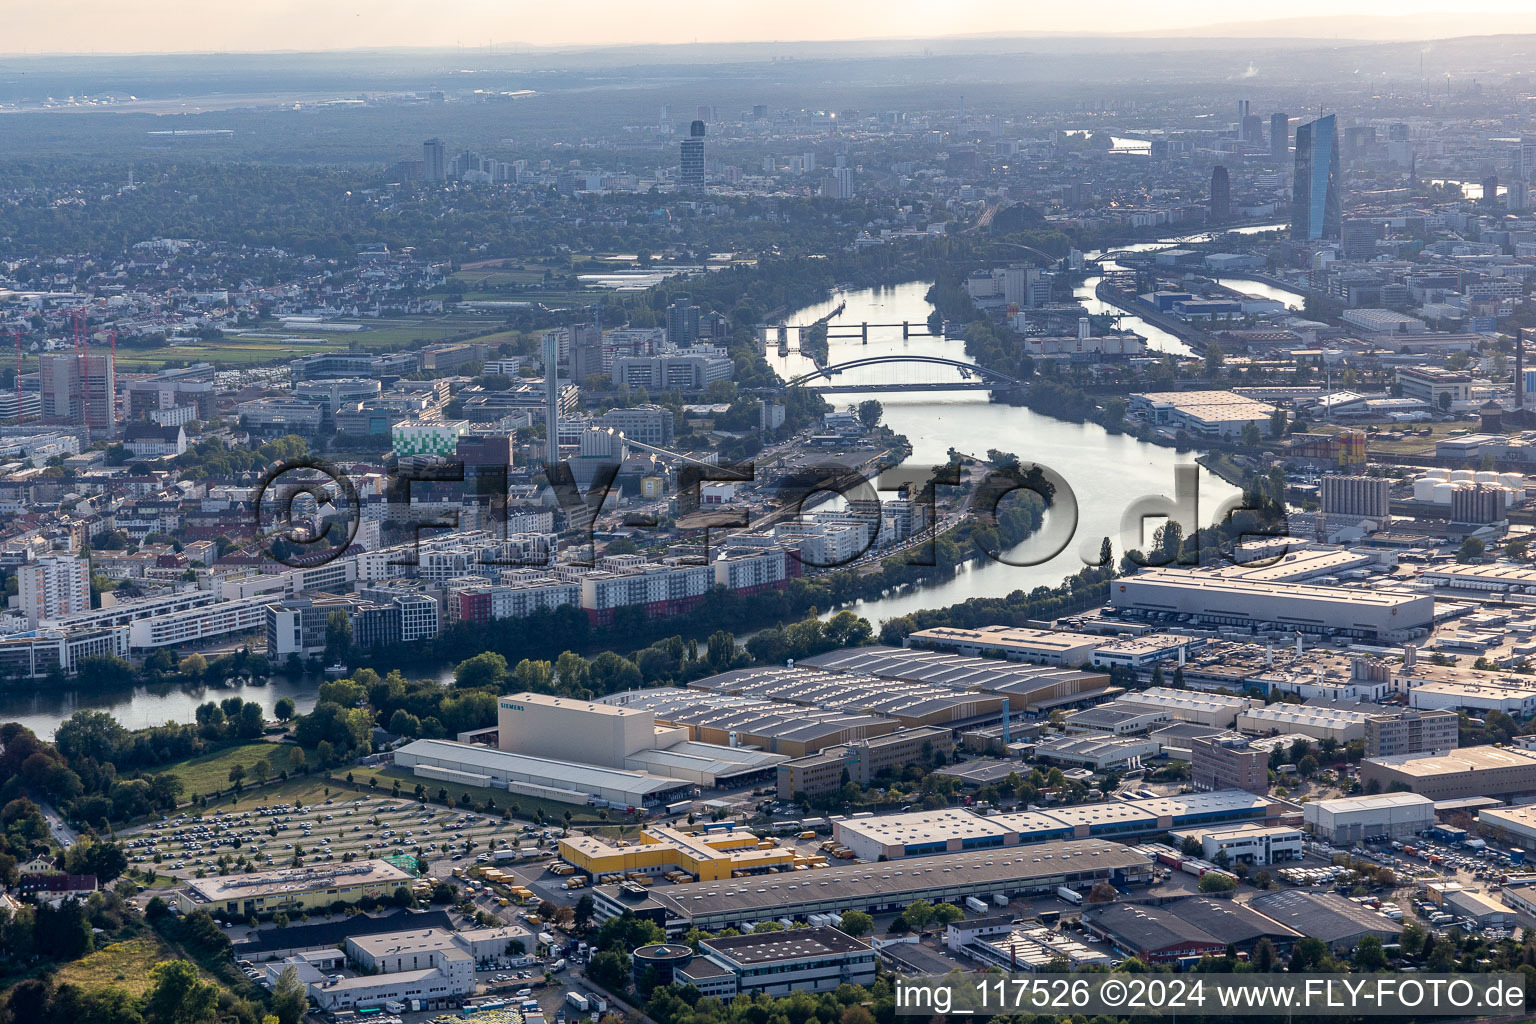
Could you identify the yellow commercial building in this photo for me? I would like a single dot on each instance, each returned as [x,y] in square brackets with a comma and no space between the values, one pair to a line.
[709,856]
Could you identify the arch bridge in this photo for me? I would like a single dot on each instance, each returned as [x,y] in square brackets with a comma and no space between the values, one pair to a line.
[973,377]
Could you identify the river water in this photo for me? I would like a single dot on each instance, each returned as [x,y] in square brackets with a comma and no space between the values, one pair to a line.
[1106,472]
[144,706]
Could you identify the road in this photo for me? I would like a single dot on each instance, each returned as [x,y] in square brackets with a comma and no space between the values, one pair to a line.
[57,828]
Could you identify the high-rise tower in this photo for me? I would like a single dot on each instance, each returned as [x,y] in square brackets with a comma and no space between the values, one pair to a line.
[1316,206]
[691,158]
[1221,195]
[1279,136]
[434,160]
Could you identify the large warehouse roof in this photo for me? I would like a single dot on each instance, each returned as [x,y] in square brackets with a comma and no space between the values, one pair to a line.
[1464,759]
[956,671]
[862,885]
[1325,916]
[593,779]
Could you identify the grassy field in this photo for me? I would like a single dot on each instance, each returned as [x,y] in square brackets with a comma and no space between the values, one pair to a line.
[125,965]
[208,772]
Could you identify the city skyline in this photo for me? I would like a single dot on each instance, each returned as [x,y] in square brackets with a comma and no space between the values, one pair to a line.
[90,27]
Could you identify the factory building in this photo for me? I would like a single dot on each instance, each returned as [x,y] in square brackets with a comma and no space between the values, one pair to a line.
[861,761]
[912,704]
[1190,705]
[1211,600]
[1259,845]
[562,781]
[1469,771]
[1516,825]
[1038,646]
[770,963]
[1318,722]
[877,888]
[1228,762]
[1339,923]
[1480,698]
[952,830]
[291,890]
[1095,751]
[709,856]
[1037,689]
[1356,497]
[1184,930]
[778,727]
[1354,818]
[1412,732]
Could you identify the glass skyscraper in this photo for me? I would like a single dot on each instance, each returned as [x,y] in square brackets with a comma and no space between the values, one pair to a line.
[1316,210]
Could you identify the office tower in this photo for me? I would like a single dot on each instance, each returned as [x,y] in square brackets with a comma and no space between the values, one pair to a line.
[1279,136]
[1221,195]
[691,161]
[434,160]
[664,117]
[551,400]
[682,322]
[1490,188]
[1316,207]
[1253,129]
[1242,112]
[705,113]
[759,111]
[79,390]
[54,586]
[1359,239]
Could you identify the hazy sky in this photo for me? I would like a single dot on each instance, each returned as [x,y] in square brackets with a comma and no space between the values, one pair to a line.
[158,26]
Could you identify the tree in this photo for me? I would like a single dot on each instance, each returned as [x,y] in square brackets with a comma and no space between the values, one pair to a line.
[1368,955]
[1103,892]
[283,710]
[192,665]
[857,923]
[237,776]
[290,1000]
[1251,436]
[918,914]
[487,669]
[581,914]
[1214,882]
[177,995]
[947,913]
[870,411]
[1471,550]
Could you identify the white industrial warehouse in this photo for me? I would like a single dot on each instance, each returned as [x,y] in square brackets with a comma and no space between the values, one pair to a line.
[1350,819]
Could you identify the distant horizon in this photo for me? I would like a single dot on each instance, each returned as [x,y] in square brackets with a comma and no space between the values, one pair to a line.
[285,27]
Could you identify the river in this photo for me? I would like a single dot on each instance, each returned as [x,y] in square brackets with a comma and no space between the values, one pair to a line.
[1105,471]
[144,706]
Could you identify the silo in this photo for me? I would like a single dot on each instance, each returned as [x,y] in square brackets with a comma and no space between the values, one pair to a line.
[1424,489]
[1486,476]
[1443,493]
[1514,480]
[1462,474]
[1438,474]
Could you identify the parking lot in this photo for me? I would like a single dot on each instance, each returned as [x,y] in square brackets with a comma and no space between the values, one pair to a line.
[271,836]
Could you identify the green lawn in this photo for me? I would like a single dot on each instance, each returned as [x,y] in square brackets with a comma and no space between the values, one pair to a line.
[208,772]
